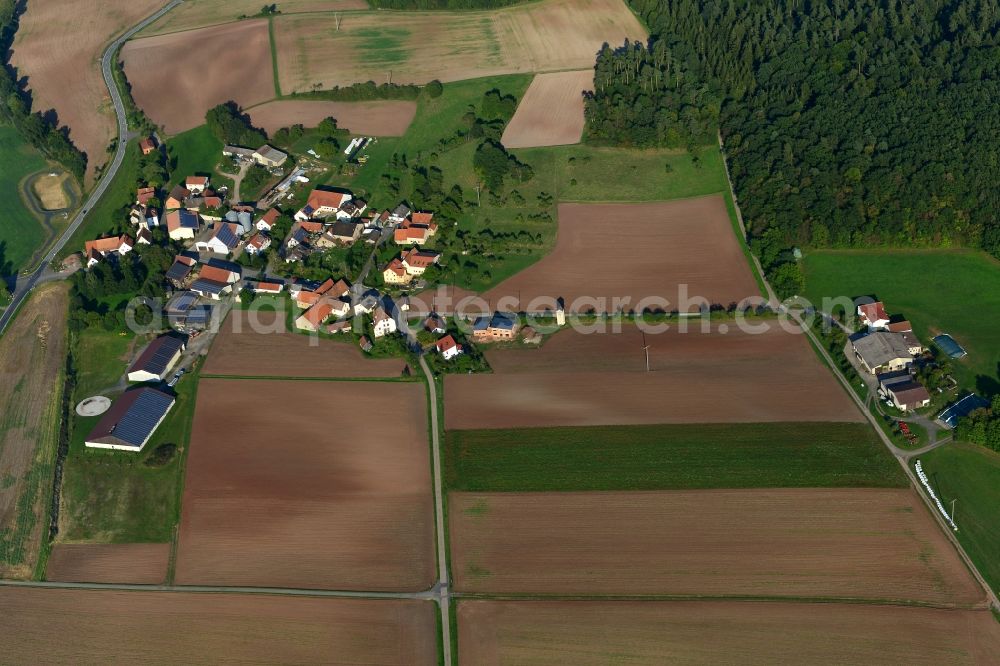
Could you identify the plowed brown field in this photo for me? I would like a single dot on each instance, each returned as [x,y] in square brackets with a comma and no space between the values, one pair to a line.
[382,118]
[58,47]
[310,485]
[661,252]
[32,357]
[830,543]
[240,349]
[551,112]
[109,563]
[601,379]
[416,47]
[177,77]
[587,633]
[103,627]
[201,13]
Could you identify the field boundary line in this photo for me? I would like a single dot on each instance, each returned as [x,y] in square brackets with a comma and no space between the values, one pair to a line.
[274,57]
[404,380]
[633,201]
[427,595]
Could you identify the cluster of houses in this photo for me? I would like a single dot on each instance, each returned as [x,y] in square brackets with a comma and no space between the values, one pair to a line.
[888,350]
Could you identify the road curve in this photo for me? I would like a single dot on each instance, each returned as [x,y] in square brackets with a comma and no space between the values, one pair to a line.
[26,284]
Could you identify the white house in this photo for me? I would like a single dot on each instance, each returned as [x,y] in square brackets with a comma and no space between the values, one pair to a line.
[383,323]
[223,239]
[448,348]
[873,315]
[182,224]
[267,220]
[196,184]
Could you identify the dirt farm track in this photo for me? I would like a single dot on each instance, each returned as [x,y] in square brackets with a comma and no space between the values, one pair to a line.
[308,484]
[545,633]
[101,627]
[601,379]
[816,543]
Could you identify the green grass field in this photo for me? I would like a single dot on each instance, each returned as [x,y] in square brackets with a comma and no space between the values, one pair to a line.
[110,210]
[939,291]
[104,352]
[785,455]
[21,233]
[196,151]
[114,496]
[971,475]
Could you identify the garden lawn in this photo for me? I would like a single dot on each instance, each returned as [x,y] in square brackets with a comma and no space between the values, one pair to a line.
[663,457]
[971,475]
[196,151]
[21,233]
[939,291]
[105,359]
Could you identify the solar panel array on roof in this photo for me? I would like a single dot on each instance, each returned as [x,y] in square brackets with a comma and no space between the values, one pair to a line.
[158,355]
[188,219]
[142,417]
[198,316]
[208,286]
[182,302]
[178,271]
[227,236]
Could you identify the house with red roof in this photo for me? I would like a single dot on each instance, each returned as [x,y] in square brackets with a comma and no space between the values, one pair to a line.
[448,348]
[94,251]
[873,315]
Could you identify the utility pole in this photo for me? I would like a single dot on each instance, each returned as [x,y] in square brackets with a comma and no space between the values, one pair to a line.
[953,511]
[645,348]
[479,201]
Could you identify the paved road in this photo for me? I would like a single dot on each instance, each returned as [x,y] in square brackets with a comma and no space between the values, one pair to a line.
[24,286]
[443,577]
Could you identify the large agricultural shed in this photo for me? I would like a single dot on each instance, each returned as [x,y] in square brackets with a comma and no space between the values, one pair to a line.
[131,421]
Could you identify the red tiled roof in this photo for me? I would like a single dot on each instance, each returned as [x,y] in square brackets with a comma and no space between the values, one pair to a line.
[420,259]
[196,180]
[900,327]
[422,218]
[326,199]
[270,217]
[103,245]
[215,274]
[873,312]
[446,343]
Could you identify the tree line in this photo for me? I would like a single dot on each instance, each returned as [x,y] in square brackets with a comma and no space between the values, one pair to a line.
[15,105]
[846,123]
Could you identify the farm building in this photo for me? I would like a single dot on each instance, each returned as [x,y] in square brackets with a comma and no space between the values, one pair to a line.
[147,145]
[269,157]
[131,421]
[882,351]
[344,232]
[196,184]
[499,327]
[873,315]
[96,250]
[237,152]
[908,396]
[180,269]
[965,406]
[322,203]
[156,361]
[314,317]
[267,287]
[182,224]
[222,239]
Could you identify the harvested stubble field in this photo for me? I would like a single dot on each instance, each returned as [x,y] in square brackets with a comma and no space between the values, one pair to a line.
[449,46]
[32,357]
[109,563]
[576,379]
[381,118]
[177,77]
[268,349]
[201,13]
[308,485]
[89,626]
[589,633]
[813,543]
[551,112]
[58,47]
[635,252]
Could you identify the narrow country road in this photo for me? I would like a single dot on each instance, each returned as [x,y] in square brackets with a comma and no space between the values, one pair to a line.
[26,284]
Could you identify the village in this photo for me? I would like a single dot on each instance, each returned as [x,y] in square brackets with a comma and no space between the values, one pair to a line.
[214,270]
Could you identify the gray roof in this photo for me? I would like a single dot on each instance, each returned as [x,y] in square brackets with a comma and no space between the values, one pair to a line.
[132,418]
[157,356]
[880,347]
[182,302]
[178,271]
[208,286]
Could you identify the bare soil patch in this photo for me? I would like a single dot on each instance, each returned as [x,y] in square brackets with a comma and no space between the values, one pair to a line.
[177,77]
[551,111]
[601,379]
[450,46]
[675,255]
[309,485]
[828,543]
[201,13]
[700,632]
[245,350]
[32,358]
[140,563]
[88,626]
[382,118]
[50,192]
[58,47]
